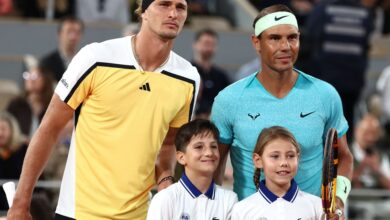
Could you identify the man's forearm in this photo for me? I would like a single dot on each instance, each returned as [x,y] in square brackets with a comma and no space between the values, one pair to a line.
[165,166]
[36,157]
[345,166]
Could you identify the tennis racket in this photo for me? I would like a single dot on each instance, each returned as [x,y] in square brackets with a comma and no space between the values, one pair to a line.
[329,174]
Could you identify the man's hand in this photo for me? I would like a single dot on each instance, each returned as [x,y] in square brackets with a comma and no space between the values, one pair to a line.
[16,213]
[339,206]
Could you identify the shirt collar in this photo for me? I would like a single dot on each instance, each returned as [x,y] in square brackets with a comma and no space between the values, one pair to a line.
[193,191]
[270,197]
[253,76]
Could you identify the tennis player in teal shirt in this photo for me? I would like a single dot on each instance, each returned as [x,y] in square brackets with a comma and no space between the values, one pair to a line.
[280,95]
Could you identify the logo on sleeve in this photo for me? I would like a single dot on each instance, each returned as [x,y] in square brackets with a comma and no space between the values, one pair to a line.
[345,187]
[64,82]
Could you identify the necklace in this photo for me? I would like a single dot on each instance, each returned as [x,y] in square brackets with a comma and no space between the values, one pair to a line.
[133,42]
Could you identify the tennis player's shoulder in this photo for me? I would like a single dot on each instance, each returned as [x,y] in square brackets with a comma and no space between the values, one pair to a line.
[115,51]
[111,44]
[320,85]
[182,68]
[234,90]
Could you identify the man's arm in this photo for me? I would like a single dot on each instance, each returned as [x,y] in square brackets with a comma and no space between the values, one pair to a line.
[38,152]
[220,171]
[166,160]
[345,168]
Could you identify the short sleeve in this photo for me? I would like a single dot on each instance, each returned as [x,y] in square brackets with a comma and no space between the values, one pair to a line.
[335,115]
[221,116]
[75,84]
[186,113]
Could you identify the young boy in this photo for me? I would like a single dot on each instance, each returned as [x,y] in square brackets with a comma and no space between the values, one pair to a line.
[195,196]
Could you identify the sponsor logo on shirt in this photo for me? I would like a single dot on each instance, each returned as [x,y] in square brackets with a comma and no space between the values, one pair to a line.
[253,116]
[185,216]
[63,81]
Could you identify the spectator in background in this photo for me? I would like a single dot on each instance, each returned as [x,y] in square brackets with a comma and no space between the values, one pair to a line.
[339,34]
[70,31]
[214,79]
[372,167]
[301,8]
[13,147]
[38,90]
[130,29]
[112,11]
[383,88]
[6,7]
[39,8]
[247,69]
[199,7]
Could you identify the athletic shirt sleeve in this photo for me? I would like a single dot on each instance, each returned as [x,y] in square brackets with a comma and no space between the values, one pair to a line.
[222,115]
[187,112]
[75,84]
[334,108]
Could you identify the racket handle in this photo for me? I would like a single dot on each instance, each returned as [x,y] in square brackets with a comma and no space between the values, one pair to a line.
[9,189]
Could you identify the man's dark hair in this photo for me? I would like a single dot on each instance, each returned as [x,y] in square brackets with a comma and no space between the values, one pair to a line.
[191,129]
[269,10]
[70,19]
[205,31]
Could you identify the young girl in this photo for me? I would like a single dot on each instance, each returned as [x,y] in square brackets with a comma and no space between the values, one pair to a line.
[278,196]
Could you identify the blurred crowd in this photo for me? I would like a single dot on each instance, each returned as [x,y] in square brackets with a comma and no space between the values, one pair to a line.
[335,46]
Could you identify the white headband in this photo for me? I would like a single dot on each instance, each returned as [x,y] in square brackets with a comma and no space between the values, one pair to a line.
[273,19]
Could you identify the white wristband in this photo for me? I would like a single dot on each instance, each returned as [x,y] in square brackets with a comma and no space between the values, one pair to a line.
[343,188]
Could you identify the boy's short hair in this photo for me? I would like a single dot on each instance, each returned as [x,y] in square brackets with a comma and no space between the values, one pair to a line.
[194,128]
